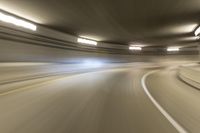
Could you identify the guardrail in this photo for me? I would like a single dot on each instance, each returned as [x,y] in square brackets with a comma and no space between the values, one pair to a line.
[190,75]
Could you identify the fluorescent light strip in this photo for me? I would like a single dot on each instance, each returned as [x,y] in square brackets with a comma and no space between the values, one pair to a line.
[197,31]
[18,22]
[135,48]
[172,49]
[86,41]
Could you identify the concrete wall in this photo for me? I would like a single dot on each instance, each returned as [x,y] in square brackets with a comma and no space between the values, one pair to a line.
[11,51]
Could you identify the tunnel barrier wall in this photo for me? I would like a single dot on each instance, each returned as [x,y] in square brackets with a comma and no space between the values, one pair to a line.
[190,75]
[19,75]
[12,51]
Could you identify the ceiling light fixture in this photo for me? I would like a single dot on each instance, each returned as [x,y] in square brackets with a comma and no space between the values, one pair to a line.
[86,41]
[135,48]
[171,49]
[16,21]
[197,31]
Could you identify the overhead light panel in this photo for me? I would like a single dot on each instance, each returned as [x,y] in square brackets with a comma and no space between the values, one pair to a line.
[86,41]
[137,48]
[197,31]
[172,49]
[16,21]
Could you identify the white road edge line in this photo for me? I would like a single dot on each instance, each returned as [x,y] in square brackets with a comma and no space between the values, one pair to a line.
[178,127]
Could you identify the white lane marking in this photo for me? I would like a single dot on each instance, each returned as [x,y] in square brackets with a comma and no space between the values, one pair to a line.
[178,127]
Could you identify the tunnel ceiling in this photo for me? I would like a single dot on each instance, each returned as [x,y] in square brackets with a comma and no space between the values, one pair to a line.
[147,22]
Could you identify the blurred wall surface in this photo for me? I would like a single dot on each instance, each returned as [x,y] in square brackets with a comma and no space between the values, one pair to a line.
[11,51]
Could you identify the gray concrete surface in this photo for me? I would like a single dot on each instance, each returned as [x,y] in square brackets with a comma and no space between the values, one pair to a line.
[110,101]
[179,99]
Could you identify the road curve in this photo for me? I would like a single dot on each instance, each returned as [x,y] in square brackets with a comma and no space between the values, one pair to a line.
[179,99]
[110,101]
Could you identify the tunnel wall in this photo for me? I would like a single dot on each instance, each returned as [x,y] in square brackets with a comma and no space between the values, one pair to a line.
[12,51]
[48,45]
[22,74]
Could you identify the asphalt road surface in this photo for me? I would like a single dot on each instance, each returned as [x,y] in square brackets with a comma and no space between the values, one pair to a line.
[106,101]
[178,98]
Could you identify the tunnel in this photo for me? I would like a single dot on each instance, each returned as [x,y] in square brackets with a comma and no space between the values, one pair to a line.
[99,66]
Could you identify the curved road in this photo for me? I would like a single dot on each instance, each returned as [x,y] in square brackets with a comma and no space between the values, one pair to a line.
[179,99]
[106,101]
